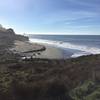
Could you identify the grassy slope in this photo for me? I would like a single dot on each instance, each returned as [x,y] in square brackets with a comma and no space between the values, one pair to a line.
[40,79]
[88,91]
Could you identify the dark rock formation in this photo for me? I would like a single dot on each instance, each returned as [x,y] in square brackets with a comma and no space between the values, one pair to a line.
[10,31]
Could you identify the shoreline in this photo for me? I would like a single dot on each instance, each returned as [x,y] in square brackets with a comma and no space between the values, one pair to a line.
[37,50]
[77,50]
[30,49]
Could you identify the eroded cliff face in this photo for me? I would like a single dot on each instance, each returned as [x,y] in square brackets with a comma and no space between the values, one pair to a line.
[8,36]
[7,39]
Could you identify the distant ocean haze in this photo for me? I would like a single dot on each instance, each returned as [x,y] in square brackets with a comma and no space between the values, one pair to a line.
[75,45]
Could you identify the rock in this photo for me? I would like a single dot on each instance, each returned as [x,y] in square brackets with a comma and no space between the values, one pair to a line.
[10,31]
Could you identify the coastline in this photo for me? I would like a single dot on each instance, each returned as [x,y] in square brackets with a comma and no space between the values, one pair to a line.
[44,77]
[75,49]
[47,78]
[37,50]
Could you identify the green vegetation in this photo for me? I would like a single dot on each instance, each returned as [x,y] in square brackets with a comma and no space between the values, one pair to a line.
[88,91]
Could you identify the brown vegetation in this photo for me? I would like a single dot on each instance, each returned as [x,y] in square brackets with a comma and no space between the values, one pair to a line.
[43,79]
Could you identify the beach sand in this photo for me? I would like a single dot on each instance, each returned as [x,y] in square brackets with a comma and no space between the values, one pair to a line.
[21,46]
[24,48]
[51,53]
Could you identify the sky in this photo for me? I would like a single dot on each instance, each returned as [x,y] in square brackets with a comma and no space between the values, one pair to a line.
[51,16]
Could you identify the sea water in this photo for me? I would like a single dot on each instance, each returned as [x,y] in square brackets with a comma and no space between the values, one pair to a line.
[77,45]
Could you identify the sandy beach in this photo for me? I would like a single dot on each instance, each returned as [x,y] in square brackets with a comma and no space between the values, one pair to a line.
[36,50]
[51,53]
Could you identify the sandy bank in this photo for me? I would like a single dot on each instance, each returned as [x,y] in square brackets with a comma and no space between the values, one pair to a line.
[51,53]
[23,47]
[36,50]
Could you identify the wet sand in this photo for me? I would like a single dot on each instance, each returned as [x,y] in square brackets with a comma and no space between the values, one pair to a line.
[36,50]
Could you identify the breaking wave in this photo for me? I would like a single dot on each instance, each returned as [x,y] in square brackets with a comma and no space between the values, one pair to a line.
[84,50]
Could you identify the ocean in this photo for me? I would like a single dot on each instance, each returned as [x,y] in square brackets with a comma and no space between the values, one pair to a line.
[76,45]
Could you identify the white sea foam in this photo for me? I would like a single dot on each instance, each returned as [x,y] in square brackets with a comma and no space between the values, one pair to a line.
[78,54]
[85,50]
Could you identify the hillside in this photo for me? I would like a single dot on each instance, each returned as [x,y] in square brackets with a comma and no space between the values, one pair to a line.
[89,90]
[43,79]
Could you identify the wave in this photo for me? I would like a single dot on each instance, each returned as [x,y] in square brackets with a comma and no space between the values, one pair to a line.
[85,50]
[78,54]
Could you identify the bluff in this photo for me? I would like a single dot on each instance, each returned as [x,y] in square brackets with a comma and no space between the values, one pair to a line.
[7,39]
[8,36]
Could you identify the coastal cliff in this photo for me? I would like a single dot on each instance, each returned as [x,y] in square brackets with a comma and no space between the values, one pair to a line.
[45,79]
[8,36]
[7,40]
